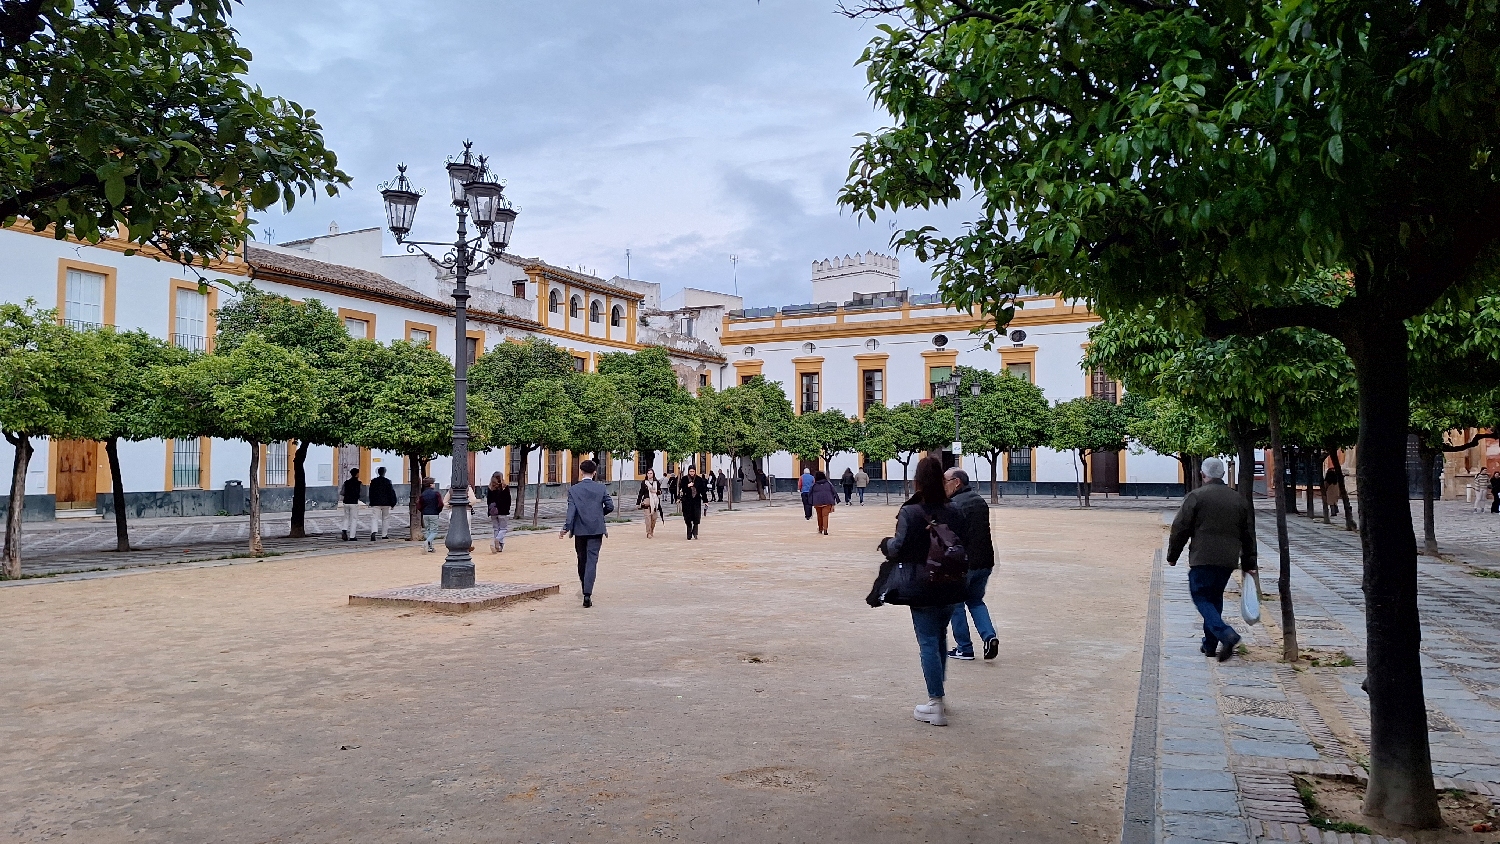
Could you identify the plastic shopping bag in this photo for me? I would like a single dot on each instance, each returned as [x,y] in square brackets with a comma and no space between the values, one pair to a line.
[1250,597]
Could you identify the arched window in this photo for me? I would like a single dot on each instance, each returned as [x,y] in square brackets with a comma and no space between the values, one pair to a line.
[554,302]
[575,306]
[596,311]
[617,316]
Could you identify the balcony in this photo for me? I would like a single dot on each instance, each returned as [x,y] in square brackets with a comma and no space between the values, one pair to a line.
[82,324]
[191,342]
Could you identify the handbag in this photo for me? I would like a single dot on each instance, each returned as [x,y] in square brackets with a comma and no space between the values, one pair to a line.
[1250,597]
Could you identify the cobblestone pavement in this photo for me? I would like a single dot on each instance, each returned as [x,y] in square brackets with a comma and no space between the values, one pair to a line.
[1230,735]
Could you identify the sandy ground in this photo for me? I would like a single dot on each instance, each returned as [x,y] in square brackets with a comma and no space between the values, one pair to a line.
[734,688]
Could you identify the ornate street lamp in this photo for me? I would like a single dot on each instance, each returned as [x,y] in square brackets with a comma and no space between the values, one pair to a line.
[949,390]
[478,196]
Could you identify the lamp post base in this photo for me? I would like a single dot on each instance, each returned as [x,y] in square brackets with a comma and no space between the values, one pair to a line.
[458,576]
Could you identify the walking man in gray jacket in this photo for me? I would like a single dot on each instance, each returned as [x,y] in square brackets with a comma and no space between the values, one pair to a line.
[1221,526]
[588,504]
[980,546]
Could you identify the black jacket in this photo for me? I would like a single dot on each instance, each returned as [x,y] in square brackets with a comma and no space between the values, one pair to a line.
[692,503]
[911,541]
[499,501]
[979,544]
[351,491]
[382,492]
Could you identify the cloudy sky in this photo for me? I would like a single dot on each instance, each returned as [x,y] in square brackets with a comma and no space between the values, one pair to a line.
[686,131]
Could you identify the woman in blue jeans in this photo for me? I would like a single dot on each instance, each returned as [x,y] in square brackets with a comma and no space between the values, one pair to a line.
[910,544]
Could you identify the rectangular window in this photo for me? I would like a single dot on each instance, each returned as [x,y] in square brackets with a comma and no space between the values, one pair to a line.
[580,364]
[874,387]
[746,379]
[190,328]
[421,336]
[1020,370]
[518,288]
[471,345]
[359,329]
[874,468]
[642,466]
[1104,387]
[515,464]
[276,464]
[83,307]
[809,392]
[554,466]
[937,375]
[1018,465]
[187,468]
[702,380]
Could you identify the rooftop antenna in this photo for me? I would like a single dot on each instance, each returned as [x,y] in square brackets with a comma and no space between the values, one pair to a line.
[627,263]
[735,260]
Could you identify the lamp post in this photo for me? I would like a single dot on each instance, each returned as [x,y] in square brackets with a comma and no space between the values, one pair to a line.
[477,196]
[949,390]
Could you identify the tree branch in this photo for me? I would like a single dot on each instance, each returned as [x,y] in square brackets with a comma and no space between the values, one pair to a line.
[1261,320]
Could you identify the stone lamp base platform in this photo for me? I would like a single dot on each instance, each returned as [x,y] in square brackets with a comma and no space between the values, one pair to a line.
[431,596]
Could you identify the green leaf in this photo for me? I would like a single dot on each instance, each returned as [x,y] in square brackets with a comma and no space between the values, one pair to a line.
[1336,149]
[114,190]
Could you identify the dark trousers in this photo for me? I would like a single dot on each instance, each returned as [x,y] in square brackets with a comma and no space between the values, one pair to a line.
[692,528]
[848,492]
[1206,586]
[587,548]
[807,505]
[1495,507]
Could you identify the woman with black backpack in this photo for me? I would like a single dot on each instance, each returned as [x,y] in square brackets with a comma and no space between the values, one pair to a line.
[927,569]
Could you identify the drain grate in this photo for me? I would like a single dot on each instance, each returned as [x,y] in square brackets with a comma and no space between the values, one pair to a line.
[1236,705]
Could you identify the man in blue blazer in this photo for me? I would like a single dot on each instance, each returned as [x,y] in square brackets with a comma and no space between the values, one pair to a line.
[588,504]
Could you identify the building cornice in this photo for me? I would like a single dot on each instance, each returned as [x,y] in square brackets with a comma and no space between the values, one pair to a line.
[901,323]
[415,302]
[233,267]
[539,271]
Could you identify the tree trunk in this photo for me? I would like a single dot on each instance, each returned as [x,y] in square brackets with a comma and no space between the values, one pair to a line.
[255,544]
[1429,494]
[995,477]
[117,491]
[734,464]
[1312,477]
[1400,787]
[11,556]
[1289,649]
[1083,486]
[536,502]
[413,510]
[1244,444]
[520,507]
[299,492]
[1343,492]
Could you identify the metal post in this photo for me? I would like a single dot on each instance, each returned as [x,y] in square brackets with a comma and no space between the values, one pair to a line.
[458,568]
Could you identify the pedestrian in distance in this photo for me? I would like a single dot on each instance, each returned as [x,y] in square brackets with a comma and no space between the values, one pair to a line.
[649,499]
[762,484]
[692,507]
[672,486]
[848,481]
[588,503]
[1495,492]
[1221,527]
[498,497]
[382,499]
[861,480]
[805,486]
[979,546]
[926,569]
[722,485]
[823,497]
[699,484]
[430,506]
[1333,481]
[349,498]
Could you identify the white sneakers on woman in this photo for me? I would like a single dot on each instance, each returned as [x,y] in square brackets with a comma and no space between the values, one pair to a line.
[933,712]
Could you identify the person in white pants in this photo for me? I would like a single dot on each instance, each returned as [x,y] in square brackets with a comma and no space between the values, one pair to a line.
[350,498]
[382,499]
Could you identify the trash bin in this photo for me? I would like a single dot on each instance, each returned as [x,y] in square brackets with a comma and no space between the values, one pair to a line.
[236,499]
[736,487]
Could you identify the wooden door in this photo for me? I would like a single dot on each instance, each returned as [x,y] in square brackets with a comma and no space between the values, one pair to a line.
[77,474]
[1104,472]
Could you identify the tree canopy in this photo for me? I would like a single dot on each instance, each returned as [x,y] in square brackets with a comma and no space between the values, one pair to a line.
[136,115]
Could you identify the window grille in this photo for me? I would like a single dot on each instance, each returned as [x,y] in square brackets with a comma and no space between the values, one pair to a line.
[554,466]
[809,392]
[187,468]
[515,464]
[1018,465]
[276,464]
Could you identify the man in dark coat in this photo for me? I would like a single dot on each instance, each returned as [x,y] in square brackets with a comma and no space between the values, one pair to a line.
[349,498]
[980,546]
[588,503]
[1221,526]
[382,499]
[1495,492]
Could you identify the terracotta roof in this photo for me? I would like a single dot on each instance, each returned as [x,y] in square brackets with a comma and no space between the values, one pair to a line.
[566,275]
[318,275]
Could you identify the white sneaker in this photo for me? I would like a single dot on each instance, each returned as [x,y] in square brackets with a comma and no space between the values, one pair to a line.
[932,712]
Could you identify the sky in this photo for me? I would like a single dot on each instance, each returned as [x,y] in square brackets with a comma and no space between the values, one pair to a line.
[685,131]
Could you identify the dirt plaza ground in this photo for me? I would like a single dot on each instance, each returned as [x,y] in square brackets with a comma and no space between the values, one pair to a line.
[734,688]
